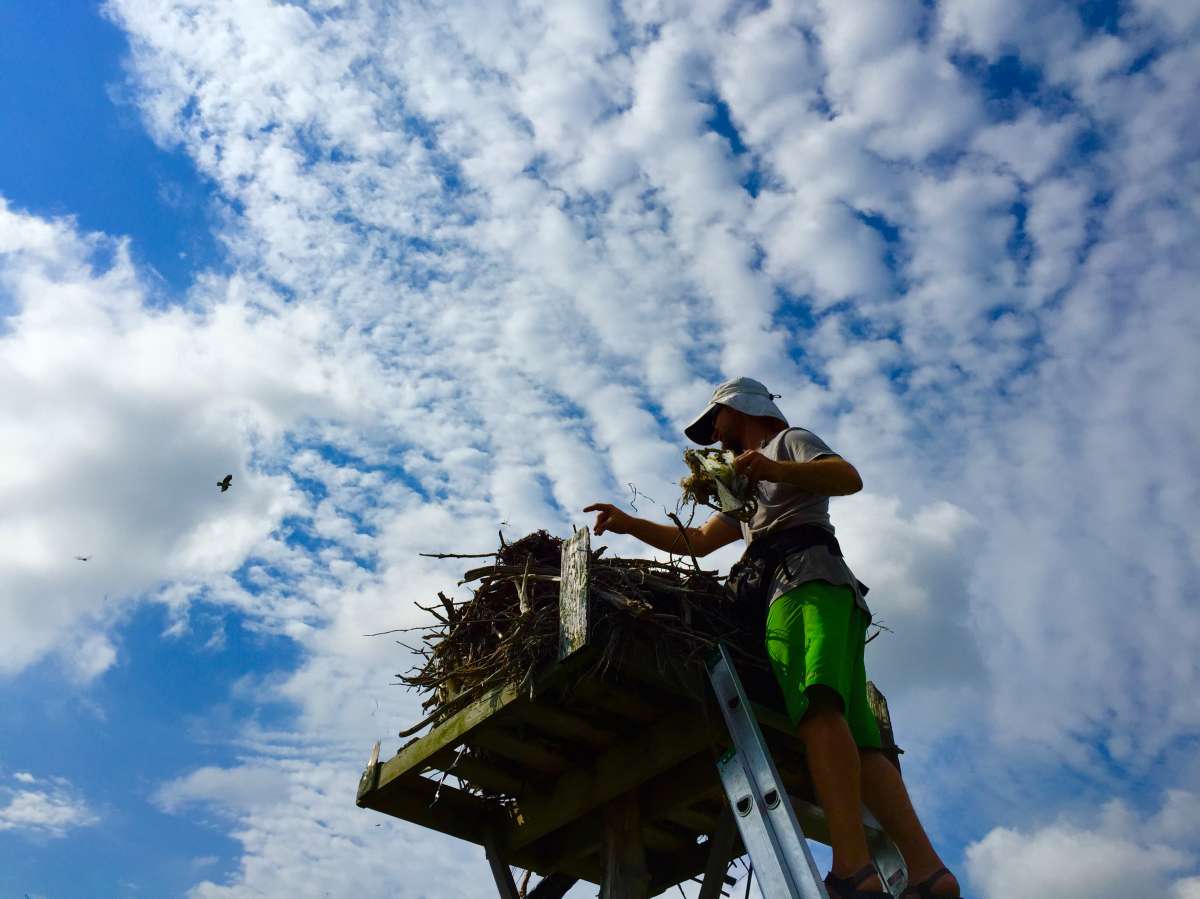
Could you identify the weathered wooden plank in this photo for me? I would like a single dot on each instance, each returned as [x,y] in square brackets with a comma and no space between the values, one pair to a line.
[412,798]
[497,702]
[625,872]
[615,701]
[574,612]
[678,785]
[370,775]
[477,772]
[620,769]
[446,735]
[561,723]
[638,667]
[525,752]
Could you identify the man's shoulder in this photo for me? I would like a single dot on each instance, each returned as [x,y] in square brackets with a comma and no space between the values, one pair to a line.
[783,443]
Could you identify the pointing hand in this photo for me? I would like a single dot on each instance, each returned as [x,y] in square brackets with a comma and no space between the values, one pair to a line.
[609,518]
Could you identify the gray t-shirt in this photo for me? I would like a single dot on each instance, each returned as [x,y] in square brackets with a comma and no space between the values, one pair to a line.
[783,506]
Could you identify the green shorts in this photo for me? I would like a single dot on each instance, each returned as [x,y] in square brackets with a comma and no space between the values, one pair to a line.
[816,634]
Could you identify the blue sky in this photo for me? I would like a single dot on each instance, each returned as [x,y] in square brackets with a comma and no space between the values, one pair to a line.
[416,275]
[77,147]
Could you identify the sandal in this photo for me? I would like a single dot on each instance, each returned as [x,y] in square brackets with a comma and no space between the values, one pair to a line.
[924,889]
[847,887]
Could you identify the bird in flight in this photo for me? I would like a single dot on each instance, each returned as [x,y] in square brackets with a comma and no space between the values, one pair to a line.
[83,558]
[225,482]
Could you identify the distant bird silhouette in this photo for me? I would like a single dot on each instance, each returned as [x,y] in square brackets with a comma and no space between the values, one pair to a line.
[225,482]
[83,558]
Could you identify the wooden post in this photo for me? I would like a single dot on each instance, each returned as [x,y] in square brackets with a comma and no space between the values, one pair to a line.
[574,618]
[720,851]
[883,718]
[625,872]
[500,870]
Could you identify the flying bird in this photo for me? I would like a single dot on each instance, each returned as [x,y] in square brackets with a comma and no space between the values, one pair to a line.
[225,482]
[83,558]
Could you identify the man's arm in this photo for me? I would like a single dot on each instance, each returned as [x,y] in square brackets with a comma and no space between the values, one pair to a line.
[826,476]
[712,535]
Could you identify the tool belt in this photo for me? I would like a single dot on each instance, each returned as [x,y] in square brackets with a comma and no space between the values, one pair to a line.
[751,576]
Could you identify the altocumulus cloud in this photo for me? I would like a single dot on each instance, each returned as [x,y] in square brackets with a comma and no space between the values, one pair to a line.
[487,261]
[43,807]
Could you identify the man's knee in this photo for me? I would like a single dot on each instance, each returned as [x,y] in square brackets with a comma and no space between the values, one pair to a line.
[825,710]
[823,700]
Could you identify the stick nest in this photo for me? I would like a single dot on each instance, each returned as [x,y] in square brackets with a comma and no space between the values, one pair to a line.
[509,628]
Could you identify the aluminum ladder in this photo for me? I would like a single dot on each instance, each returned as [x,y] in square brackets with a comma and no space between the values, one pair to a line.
[766,819]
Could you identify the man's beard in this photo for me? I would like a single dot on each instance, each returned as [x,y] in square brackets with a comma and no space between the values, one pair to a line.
[732,445]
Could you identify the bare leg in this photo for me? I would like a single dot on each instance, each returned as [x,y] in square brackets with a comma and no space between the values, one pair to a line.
[833,762]
[886,796]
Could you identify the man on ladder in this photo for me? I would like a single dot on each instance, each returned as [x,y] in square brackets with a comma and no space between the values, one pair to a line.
[816,622]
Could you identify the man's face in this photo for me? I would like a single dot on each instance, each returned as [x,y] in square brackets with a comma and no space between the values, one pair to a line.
[726,430]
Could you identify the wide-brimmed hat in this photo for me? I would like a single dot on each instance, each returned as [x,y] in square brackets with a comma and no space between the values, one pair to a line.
[743,394]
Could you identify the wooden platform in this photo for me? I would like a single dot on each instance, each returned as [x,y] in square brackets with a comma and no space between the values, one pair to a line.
[587,774]
[559,752]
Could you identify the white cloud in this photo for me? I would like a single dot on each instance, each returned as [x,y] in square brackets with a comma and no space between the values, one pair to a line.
[303,835]
[95,655]
[1115,854]
[1030,145]
[119,419]
[52,809]
[232,790]
[487,264]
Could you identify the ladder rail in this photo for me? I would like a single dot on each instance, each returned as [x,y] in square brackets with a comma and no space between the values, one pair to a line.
[765,816]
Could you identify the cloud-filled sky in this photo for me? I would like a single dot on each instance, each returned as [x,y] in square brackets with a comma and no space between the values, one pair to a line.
[418,272]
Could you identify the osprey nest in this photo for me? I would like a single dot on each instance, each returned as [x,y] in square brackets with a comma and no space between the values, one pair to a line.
[509,628]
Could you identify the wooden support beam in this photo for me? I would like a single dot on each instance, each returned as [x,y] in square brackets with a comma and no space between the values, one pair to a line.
[614,700]
[678,786]
[619,770]
[565,724]
[625,872]
[500,870]
[639,668]
[670,870]
[477,772]
[412,798]
[526,752]
[553,886]
[720,851]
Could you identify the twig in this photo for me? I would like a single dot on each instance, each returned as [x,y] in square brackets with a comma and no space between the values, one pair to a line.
[398,630]
[459,555]
[686,541]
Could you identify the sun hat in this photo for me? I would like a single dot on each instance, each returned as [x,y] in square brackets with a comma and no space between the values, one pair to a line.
[743,394]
